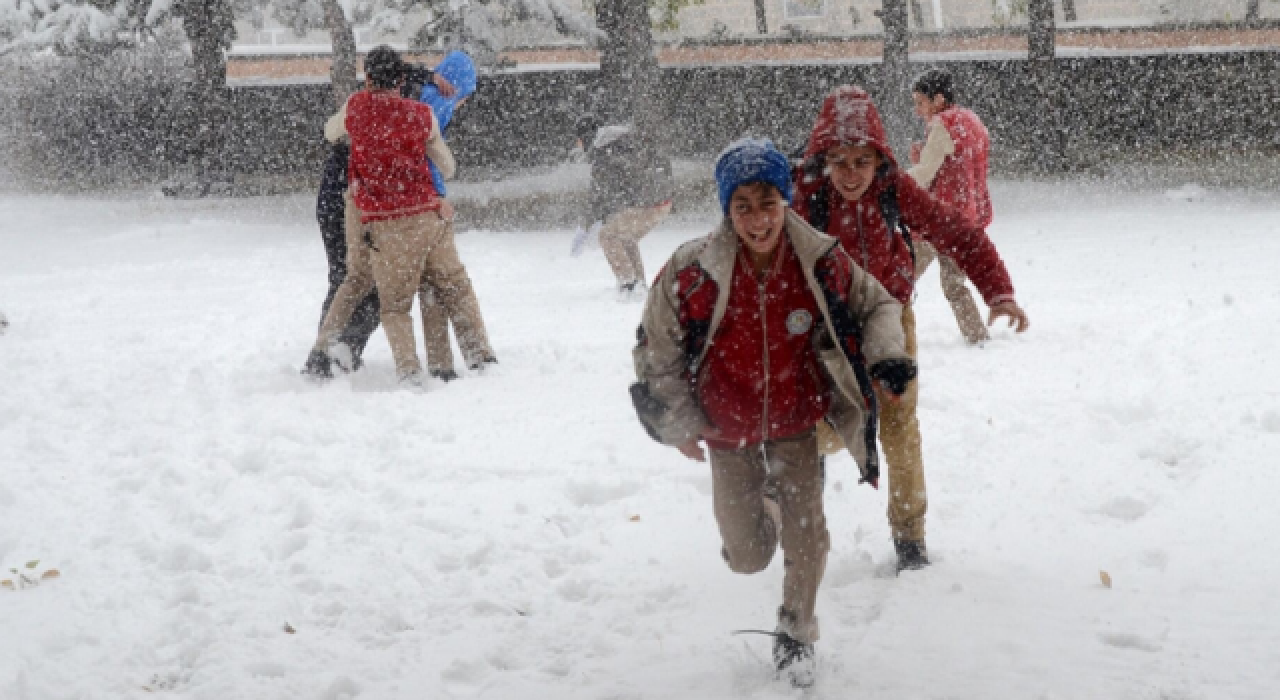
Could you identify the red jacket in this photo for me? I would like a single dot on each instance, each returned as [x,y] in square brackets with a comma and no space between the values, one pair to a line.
[961,182]
[761,379]
[848,116]
[389,173]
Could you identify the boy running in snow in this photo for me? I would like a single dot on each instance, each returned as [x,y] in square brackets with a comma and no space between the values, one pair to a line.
[751,337]
[851,188]
[630,195]
[952,165]
[399,209]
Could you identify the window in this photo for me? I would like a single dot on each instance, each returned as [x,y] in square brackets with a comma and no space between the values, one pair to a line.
[804,9]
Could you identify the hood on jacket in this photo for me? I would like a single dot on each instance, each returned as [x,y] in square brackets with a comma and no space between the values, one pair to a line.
[848,118]
[458,68]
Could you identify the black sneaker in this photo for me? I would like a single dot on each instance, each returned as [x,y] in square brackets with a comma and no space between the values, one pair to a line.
[318,366]
[444,375]
[912,555]
[794,660]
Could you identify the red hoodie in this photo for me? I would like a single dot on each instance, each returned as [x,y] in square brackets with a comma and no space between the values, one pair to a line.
[389,173]
[849,117]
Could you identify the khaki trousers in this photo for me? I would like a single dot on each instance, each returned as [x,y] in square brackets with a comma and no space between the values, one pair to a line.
[792,467]
[900,439]
[968,317]
[619,238]
[446,294]
[391,255]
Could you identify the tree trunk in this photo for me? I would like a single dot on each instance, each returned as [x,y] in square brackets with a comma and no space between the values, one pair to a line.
[762,22]
[1049,138]
[1253,12]
[342,70]
[630,83]
[1069,10]
[204,110]
[917,13]
[895,78]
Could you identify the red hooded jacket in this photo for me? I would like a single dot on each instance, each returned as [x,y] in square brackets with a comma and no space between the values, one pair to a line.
[389,173]
[849,117]
[961,182]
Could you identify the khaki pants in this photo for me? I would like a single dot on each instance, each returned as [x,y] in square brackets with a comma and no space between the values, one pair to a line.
[968,317]
[393,258]
[619,239]
[446,294]
[739,478]
[900,439]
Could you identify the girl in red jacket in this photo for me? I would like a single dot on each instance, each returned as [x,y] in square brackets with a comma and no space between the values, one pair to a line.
[952,165]
[851,188]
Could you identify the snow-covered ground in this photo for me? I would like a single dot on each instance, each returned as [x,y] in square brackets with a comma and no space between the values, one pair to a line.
[516,535]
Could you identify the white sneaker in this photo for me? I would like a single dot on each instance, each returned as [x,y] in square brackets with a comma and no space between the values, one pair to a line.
[586,238]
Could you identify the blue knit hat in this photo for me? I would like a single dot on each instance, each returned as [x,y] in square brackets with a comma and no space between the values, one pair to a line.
[752,160]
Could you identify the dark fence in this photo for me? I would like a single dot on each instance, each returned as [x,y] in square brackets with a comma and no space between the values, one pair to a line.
[1118,106]
[1208,101]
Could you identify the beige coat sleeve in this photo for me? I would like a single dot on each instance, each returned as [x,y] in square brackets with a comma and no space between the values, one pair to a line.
[660,362]
[438,151]
[936,149]
[336,128]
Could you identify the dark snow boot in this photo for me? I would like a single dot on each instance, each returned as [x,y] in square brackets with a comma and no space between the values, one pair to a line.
[444,375]
[793,660]
[318,366]
[912,555]
[486,360]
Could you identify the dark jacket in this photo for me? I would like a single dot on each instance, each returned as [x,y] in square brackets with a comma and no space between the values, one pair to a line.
[627,172]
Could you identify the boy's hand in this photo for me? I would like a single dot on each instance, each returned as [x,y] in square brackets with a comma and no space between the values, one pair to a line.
[917,147]
[894,376]
[446,210]
[693,451]
[1018,320]
[445,87]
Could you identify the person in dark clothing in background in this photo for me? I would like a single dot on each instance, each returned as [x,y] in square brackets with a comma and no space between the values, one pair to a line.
[631,189]
[331,215]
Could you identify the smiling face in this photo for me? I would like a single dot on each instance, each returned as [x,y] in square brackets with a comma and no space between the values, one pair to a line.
[758,212]
[852,169]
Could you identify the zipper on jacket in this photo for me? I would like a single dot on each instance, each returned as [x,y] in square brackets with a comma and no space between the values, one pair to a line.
[764,331]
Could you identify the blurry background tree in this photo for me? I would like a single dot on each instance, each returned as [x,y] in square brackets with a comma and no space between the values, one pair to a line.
[1042,59]
[895,77]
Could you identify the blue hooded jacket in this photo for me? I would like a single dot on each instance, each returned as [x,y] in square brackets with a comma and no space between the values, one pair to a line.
[458,68]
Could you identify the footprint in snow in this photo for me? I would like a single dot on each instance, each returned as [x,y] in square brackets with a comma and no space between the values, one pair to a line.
[1130,641]
[1124,508]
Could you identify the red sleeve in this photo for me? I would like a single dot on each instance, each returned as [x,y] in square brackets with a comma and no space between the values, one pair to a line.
[957,237]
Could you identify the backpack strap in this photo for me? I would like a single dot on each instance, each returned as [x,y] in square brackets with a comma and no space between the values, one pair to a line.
[892,214]
[849,337]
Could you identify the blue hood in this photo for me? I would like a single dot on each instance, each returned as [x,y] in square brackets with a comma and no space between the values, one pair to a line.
[458,68]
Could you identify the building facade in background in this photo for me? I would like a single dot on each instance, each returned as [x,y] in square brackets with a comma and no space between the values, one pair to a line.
[729,19]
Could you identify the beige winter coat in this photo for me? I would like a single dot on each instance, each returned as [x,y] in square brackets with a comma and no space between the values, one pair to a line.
[661,361]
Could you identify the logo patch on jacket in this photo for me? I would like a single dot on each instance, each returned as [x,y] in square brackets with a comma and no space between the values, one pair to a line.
[799,322]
